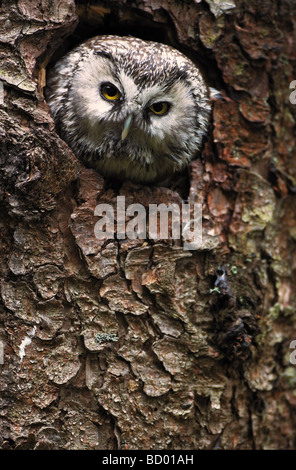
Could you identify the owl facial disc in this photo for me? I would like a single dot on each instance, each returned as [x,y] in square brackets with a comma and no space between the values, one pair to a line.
[128,108]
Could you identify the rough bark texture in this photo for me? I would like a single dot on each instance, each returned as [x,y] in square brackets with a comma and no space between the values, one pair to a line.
[142,344]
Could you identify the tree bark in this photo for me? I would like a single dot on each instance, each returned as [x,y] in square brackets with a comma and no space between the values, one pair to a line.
[142,344]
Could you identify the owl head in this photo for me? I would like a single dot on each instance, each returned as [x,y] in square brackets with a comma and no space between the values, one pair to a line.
[131,109]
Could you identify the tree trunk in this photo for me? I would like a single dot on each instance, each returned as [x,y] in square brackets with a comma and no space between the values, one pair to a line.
[143,344]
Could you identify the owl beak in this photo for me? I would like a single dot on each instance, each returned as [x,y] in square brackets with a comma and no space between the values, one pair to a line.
[126,126]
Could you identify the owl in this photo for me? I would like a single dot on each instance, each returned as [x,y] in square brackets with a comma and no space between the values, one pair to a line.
[131,109]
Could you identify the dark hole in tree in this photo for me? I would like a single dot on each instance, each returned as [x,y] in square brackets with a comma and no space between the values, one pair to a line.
[100,18]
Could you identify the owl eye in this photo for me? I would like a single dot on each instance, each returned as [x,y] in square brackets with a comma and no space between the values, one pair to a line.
[110,92]
[159,108]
